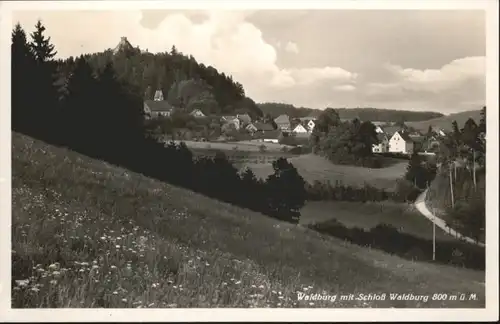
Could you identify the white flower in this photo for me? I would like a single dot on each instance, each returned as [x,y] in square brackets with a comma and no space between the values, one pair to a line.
[22,283]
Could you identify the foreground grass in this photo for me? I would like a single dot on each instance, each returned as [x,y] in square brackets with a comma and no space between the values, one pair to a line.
[313,167]
[368,215]
[87,234]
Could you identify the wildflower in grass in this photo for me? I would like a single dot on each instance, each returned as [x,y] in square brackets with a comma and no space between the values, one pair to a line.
[54,266]
[115,292]
[22,283]
[124,300]
[53,282]
[113,267]
[273,291]
[56,274]
[261,286]
[237,282]
[35,289]
[154,285]
[117,246]
[95,266]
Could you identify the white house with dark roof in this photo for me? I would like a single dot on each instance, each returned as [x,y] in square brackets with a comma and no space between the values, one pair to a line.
[401,142]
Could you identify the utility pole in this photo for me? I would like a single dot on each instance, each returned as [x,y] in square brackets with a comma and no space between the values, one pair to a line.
[451,189]
[433,240]
[474,167]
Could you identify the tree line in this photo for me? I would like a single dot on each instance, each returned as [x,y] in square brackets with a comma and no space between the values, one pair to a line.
[94,111]
[365,114]
[460,186]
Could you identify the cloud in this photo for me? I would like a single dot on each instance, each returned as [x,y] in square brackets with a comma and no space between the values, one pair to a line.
[449,76]
[344,87]
[223,39]
[460,84]
[292,47]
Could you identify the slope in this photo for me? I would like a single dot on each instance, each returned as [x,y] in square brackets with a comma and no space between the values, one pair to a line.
[123,240]
[446,121]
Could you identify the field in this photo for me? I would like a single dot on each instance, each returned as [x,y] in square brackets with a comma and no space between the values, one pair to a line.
[368,215]
[312,167]
[89,234]
[245,146]
[445,122]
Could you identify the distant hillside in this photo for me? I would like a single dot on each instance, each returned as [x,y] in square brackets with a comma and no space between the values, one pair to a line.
[372,114]
[446,121]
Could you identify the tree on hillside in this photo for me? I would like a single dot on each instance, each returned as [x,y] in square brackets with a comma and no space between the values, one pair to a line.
[472,145]
[328,119]
[22,63]
[43,91]
[367,137]
[416,172]
[41,47]
[286,193]
[81,96]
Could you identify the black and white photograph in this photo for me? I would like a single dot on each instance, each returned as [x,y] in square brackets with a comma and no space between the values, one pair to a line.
[277,160]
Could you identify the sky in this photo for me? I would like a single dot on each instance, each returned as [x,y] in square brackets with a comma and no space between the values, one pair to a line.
[422,60]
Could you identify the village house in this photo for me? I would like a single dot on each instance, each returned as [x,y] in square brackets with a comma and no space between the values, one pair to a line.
[401,142]
[231,120]
[308,123]
[301,131]
[197,113]
[158,107]
[272,136]
[283,122]
[383,144]
[259,128]
[245,119]
[438,131]
[379,129]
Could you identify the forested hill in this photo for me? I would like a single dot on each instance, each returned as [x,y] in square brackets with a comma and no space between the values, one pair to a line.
[185,82]
[371,114]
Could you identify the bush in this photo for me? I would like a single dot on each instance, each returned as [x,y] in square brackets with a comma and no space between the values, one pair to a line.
[325,191]
[469,218]
[405,191]
[387,238]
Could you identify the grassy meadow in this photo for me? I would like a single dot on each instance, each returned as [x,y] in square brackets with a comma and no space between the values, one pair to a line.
[313,167]
[89,234]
